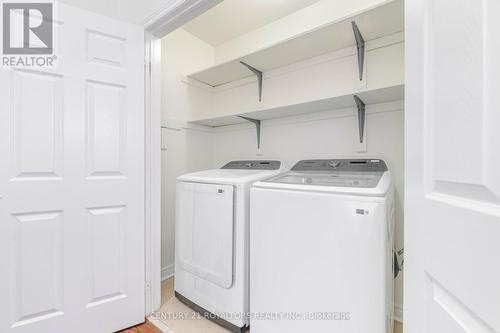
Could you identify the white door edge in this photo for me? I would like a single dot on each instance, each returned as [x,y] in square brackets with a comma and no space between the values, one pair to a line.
[152,173]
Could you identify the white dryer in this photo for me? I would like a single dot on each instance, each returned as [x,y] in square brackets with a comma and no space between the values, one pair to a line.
[211,240]
[321,240]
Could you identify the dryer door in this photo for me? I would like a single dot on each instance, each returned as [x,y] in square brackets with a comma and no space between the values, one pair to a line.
[204,231]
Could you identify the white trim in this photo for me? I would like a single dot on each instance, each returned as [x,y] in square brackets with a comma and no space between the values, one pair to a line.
[176,14]
[158,14]
[167,272]
[398,313]
[152,174]
[160,325]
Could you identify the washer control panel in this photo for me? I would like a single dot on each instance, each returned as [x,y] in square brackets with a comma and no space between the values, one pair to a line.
[341,165]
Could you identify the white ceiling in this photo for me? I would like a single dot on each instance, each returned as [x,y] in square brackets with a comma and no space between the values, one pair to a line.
[132,11]
[232,18]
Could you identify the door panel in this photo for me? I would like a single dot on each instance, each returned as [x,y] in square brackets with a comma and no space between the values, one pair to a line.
[37,125]
[37,272]
[106,129]
[205,225]
[107,254]
[452,214]
[72,182]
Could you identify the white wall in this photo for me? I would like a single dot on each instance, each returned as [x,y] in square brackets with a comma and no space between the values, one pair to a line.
[184,148]
[183,53]
[326,135]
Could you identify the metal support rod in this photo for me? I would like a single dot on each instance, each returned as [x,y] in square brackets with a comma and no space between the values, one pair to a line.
[257,125]
[259,77]
[360,43]
[361,117]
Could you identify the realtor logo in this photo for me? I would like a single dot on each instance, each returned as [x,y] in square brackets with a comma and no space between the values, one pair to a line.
[27,28]
[28,34]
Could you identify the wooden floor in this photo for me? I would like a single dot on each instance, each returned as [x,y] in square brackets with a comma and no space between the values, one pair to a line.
[398,327]
[147,327]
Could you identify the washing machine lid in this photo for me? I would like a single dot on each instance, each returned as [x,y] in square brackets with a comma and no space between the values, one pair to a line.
[235,172]
[367,176]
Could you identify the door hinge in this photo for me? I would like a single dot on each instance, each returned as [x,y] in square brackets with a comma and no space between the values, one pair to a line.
[397,263]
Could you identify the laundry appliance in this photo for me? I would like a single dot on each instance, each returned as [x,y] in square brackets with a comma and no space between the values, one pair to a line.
[321,241]
[211,240]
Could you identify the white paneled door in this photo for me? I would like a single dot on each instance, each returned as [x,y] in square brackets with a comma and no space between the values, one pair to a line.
[72,182]
[452,216]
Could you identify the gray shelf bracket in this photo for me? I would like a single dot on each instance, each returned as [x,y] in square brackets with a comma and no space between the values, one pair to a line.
[360,44]
[259,77]
[257,125]
[361,117]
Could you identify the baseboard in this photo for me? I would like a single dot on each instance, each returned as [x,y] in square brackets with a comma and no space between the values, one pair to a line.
[398,313]
[167,272]
[160,325]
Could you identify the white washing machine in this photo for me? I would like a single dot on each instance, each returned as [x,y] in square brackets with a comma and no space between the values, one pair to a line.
[211,240]
[321,240]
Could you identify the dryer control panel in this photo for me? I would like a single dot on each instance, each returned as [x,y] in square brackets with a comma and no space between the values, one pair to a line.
[253,165]
[341,165]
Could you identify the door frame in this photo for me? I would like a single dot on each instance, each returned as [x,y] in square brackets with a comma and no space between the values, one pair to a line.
[156,27]
[152,175]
